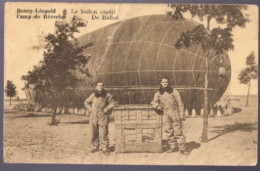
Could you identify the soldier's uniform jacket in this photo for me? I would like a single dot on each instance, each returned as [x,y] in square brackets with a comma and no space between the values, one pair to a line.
[97,104]
[170,102]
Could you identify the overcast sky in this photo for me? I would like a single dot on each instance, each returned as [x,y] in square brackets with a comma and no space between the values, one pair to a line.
[24,38]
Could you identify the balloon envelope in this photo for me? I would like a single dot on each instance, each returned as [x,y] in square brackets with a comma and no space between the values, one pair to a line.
[131,56]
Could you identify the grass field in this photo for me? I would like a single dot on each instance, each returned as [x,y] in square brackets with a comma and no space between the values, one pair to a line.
[29,139]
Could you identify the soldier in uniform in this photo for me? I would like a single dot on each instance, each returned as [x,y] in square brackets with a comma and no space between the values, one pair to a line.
[168,102]
[99,104]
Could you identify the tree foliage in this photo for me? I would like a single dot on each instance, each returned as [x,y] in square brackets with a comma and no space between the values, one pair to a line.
[219,39]
[213,41]
[250,72]
[10,90]
[55,75]
[228,15]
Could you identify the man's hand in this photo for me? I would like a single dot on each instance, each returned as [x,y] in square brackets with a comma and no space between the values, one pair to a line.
[158,108]
[105,110]
[89,111]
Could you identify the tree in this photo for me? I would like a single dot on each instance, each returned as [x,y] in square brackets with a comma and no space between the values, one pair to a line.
[213,41]
[249,73]
[55,74]
[10,90]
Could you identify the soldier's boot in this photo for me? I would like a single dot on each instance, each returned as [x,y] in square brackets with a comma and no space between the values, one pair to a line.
[173,145]
[94,147]
[106,151]
[172,150]
[93,150]
[183,149]
[184,152]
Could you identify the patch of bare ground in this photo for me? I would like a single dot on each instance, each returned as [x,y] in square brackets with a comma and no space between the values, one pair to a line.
[29,139]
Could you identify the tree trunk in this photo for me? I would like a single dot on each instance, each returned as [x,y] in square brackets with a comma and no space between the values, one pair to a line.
[10,101]
[208,23]
[247,99]
[53,120]
[204,136]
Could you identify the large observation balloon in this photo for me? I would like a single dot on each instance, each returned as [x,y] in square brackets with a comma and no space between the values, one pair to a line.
[131,56]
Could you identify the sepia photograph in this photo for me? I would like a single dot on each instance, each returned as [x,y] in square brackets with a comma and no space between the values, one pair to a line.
[130,84]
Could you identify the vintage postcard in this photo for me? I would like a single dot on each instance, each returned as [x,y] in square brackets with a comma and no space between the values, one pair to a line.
[131,84]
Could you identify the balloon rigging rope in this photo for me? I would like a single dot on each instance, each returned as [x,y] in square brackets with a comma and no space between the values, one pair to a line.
[160,44]
[158,51]
[126,59]
[139,62]
[175,59]
[193,63]
[152,70]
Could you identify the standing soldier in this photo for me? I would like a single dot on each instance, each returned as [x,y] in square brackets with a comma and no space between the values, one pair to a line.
[169,102]
[99,104]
